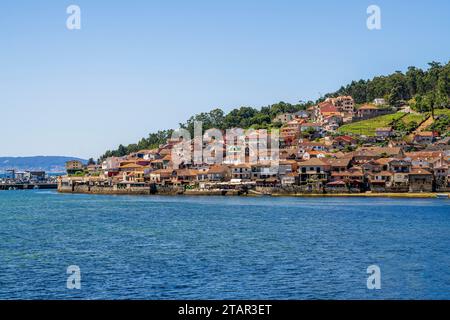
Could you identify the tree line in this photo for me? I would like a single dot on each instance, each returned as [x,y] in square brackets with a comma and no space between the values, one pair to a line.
[423,90]
[243,117]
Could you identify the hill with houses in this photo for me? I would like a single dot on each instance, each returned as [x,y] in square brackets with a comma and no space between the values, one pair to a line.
[396,143]
[416,90]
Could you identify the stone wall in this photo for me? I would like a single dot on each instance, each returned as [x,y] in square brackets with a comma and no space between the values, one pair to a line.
[160,190]
[287,190]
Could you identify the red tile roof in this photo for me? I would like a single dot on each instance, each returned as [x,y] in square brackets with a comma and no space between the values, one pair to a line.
[328,108]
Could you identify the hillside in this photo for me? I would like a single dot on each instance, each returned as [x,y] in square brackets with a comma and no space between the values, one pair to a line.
[368,127]
[52,164]
[423,90]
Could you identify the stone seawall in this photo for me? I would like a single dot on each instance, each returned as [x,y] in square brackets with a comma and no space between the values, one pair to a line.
[213,193]
[150,190]
[293,191]
[114,190]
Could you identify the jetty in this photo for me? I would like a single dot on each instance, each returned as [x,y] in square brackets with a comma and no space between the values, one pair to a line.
[14,180]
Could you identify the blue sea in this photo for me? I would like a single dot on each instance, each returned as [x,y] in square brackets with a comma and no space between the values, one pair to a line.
[133,247]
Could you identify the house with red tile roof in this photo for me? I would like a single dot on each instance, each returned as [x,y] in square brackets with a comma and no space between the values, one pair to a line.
[425,137]
[342,142]
[324,110]
[420,180]
[344,104]
[384,133]
[314,170]
[368,111]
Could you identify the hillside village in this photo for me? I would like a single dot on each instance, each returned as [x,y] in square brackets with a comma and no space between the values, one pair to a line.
[335,146]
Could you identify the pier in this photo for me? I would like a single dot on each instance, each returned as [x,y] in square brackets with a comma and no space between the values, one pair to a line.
[28,180]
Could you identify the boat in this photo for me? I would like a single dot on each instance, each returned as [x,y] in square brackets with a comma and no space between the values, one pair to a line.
[442,196]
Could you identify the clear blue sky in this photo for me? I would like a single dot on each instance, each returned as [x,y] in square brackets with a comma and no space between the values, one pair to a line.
[139,66]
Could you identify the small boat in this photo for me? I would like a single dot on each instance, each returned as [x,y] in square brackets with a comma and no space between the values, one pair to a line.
[442,196]
[36,187]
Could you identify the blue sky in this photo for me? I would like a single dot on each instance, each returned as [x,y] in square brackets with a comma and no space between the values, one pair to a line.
[139,66]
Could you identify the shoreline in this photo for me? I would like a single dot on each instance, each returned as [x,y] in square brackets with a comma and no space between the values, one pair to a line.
[371,195]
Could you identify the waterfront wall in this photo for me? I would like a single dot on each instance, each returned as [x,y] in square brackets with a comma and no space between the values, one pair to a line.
[257,191]
[151,190]
[299,189]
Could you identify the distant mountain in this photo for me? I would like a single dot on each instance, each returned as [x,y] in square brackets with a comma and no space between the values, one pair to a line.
[46,163]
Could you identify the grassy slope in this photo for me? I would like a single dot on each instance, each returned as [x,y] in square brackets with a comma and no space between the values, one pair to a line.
[442,111]
[368,127]
[412,117]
